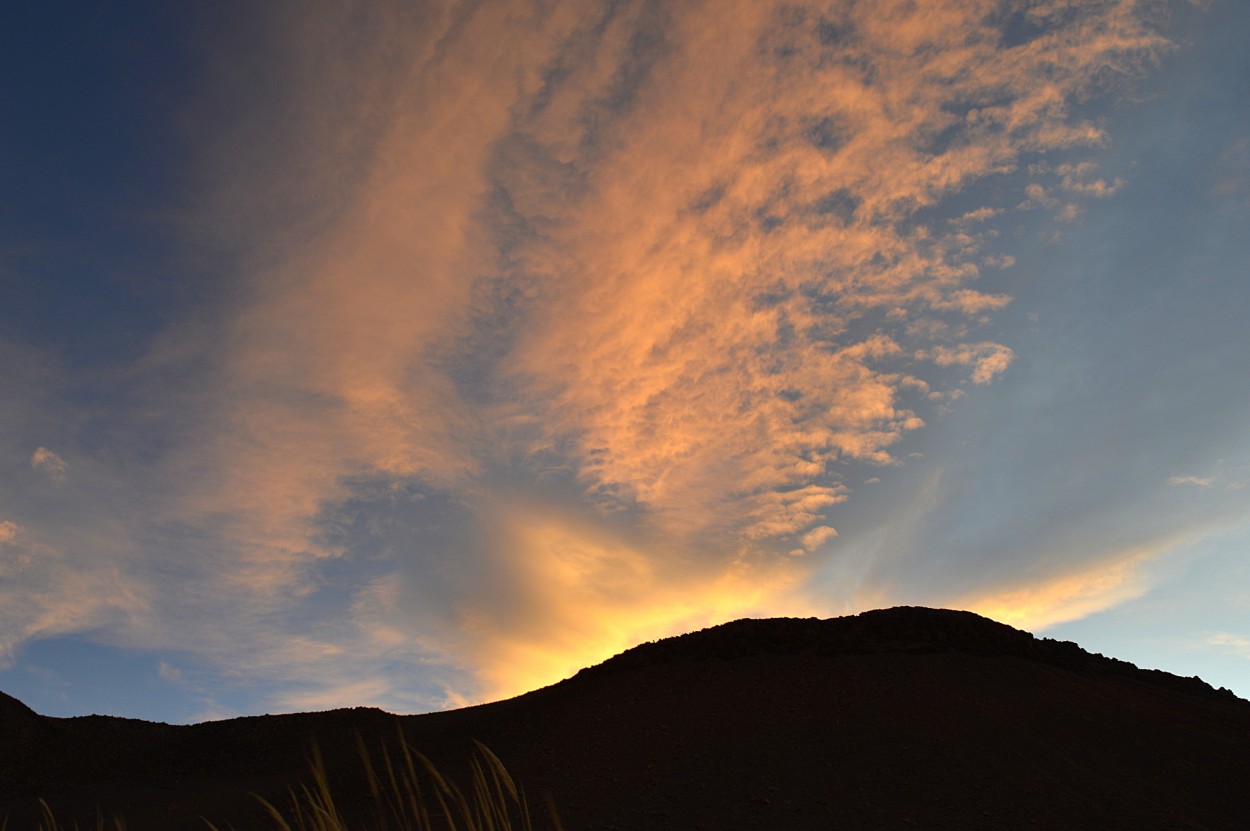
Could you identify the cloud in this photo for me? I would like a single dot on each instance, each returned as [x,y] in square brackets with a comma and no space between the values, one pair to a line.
[1197,481]
[779,211]
[170,673]
[987,359]
[816,537]
[50,465]
[672,257]
[344,695]
[13,558]
[49,594]
[1227,640]
[577,595]
[1233,171]
[628,288]
[1071,212]
[1078,178]
[1038,197]
[1035,604]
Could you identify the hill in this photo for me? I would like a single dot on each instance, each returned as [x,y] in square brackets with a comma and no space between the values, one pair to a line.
[895,718]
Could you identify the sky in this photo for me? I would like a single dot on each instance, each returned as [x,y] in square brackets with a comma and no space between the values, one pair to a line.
[416,355]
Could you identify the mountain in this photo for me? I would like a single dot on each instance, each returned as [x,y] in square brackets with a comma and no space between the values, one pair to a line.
[897,718]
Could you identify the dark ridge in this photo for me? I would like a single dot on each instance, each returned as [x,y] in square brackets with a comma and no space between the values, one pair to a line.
[15,717]
[21,729]
[902,629]
[898,718]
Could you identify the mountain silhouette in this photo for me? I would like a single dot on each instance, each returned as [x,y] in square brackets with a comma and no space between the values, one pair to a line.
[896,718]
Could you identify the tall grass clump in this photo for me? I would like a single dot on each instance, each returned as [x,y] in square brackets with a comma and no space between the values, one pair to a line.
[406,792]
[49,823]
[409,793]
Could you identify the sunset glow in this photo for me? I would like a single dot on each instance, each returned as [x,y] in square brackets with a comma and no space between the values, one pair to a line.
[415,355]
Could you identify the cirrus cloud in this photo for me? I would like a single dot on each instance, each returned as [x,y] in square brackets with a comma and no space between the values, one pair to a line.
[50,465]
[626,289]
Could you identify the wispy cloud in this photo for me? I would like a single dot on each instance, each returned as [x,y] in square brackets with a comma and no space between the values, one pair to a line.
[674,260]
[49,464]
[986,359]
[624,289]
[1072,594]
[1230,641]
[49,593]
[1233,171]
[1079,178]
[1197,481]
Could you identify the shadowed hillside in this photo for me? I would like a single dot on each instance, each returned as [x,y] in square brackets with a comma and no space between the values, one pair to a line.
[890,719]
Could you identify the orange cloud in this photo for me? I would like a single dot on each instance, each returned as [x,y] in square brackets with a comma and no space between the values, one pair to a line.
[1071,594]
[1199,481]
[56,595]
[987,359]
[1237,644]
[578,594]
[697,289]
[50,465]
[683,255]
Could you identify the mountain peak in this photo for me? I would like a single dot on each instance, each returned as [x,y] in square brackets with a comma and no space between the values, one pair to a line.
[901,629]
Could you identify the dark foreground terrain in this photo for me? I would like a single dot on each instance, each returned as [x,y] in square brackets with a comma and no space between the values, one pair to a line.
[900,718]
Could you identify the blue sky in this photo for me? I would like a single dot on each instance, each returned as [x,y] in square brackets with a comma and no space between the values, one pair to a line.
[373,356]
